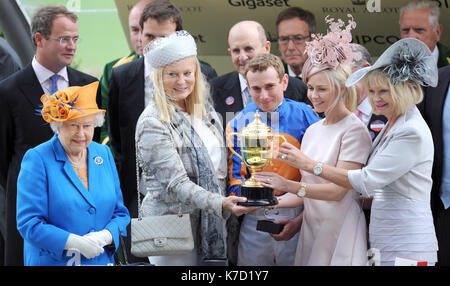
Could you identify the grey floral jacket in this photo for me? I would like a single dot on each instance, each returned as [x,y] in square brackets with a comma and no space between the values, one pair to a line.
[176,171]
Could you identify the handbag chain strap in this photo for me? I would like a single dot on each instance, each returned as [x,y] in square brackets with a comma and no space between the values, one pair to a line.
[137,187]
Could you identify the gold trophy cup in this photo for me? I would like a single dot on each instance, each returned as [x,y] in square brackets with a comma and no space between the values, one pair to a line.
[257,142]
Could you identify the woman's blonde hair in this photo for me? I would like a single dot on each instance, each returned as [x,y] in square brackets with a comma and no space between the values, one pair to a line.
[404,94]
[337,78]
[195,102]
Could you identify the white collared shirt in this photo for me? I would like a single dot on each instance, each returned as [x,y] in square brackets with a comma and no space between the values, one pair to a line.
[43,75]
[366,111]
[292,73]
[148,84]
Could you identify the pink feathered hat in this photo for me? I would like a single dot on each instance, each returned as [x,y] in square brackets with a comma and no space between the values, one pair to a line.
[330,51]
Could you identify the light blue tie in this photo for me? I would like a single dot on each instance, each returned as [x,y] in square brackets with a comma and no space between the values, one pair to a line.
[54,79]
[445,185]
[248,96]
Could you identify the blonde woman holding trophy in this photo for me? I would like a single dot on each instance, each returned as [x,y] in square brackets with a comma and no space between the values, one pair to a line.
[181,153]
[333,230]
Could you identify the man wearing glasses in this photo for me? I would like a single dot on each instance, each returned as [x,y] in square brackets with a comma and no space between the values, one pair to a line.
[295,27]
[55,35]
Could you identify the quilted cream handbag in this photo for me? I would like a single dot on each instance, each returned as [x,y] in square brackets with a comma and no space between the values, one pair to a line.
[161,235]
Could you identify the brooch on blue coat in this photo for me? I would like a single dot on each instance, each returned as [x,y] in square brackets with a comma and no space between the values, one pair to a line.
[98,160]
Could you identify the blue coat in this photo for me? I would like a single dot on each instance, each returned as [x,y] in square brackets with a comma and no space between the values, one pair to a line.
[52,203]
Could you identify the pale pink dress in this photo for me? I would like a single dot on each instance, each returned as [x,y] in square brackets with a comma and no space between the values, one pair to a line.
[334,233]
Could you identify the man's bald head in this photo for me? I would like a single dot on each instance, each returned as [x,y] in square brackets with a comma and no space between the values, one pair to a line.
[246,39]
[252,27]
[139,6]
[134,27]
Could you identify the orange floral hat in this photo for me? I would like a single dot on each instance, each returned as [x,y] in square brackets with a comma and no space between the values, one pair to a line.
[70,103]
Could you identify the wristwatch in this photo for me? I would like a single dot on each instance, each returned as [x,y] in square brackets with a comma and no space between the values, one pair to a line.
[302,191]
[318,169]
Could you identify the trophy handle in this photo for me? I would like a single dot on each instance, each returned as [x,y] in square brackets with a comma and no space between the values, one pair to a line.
[231,146]
[284,139]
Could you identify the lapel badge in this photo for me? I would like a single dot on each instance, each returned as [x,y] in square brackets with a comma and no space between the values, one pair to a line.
[229,100]
[98,160]
[377,125]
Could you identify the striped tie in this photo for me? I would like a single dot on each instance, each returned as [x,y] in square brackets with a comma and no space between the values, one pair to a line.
[54,78]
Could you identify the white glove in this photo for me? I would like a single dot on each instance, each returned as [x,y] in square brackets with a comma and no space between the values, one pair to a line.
[101,238]
[85,246]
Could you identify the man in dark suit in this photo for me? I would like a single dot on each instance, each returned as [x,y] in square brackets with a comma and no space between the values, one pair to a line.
[420,19]
[55,34]
[246,39]
[9,64]
[295,27]
[435,109]
[129,93]
[135,32]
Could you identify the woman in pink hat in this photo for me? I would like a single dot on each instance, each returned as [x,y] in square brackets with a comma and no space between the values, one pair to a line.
[398,170]
[333,230]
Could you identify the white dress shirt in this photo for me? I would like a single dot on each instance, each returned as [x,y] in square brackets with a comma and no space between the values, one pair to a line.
[211,142]
[435,54]
[366,111]
[43,75]
[292,73]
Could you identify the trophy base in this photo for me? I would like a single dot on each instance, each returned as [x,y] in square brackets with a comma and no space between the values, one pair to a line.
[257,196]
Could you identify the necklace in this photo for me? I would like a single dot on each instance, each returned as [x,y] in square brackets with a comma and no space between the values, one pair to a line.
[80,162]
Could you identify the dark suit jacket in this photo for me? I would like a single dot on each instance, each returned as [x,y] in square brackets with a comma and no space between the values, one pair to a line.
[125,104]
[226,93]
[9,61]
[444,55]
[22,128]
[208,71]
[432,108]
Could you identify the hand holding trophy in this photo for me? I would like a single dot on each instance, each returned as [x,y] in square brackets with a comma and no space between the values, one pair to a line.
[257,141]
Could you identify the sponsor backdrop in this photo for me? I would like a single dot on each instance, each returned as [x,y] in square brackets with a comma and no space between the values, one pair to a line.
[209,21]
[104,33]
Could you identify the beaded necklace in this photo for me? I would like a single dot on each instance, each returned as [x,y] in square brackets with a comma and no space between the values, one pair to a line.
[81,171]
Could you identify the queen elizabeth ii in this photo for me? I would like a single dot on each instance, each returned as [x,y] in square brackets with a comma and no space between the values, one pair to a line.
[69,203]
